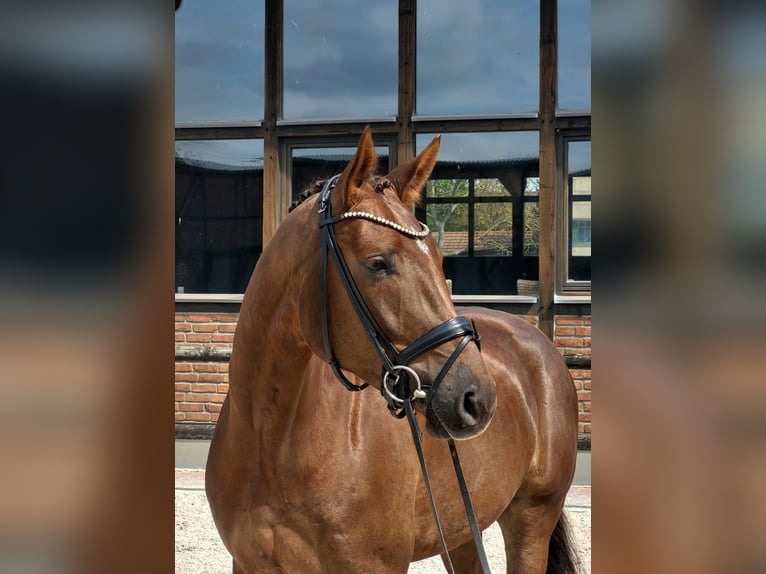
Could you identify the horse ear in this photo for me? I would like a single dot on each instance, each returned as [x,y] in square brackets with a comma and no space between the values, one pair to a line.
[410,177]
[360,168]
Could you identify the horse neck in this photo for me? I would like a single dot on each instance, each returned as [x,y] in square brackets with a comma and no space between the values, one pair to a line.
[270,354]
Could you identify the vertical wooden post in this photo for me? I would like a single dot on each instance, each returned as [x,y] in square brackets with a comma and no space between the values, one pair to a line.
[406,104]
[548,43]
[272,110]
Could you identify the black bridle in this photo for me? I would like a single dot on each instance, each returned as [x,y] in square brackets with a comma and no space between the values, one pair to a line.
[396,372]
[395,386]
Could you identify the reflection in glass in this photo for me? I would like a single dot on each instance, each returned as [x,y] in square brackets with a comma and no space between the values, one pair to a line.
[219,57]
[493,229]
[219,214]
[478,60]
[340,59]
[476,204]
[448,221]
[579,192]
[574,30]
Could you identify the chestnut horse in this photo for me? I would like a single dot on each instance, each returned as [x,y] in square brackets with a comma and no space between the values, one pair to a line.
[304,476]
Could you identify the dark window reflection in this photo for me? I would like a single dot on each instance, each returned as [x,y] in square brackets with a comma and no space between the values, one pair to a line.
[219,214]
[574,31]
[219,51]
[480,59]
[340,59]
[482,210]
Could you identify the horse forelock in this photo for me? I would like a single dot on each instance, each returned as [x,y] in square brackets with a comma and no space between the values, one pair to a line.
[378,182]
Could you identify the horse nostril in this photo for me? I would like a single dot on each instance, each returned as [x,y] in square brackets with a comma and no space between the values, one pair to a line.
[469,410]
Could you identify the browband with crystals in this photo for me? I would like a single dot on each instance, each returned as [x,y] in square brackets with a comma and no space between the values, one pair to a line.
[424,232]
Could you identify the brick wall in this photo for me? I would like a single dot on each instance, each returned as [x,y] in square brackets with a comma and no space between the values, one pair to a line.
[571,335]
[201,384]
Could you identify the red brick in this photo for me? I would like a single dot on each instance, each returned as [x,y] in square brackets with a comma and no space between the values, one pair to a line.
[223,367]
[198,338]
[223,388]
[187,377]
[187,408]
[183,367]
[582,331]
[227,327]
[568,320]
[198,318]
[586,428]
[205,367]
[564,331]
[180,317]
[200,417]
[183,387]
[583,396]
[586,384]
[213,407]
[214,417]
[225,317]
[183,327]
[584,417]
[197,397]
[180,337]
[180,416]
[221,345]
[210,378]
[577,384]
[569,342]
[180,397]
[580,373]
[217,398]
[204,328]
[223,338]
[206,388]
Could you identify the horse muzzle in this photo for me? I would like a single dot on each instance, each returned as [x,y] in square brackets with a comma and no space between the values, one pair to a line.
[463,406]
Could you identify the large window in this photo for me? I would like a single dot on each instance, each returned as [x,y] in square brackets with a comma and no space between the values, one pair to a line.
[272,96]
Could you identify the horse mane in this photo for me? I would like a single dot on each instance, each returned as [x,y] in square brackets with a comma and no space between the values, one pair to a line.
[378,182]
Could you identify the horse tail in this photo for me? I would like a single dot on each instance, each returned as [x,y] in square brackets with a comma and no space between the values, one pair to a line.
[561,551]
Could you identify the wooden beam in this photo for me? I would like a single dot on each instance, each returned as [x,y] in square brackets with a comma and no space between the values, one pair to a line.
[546,260]
[406,104]
[272,110]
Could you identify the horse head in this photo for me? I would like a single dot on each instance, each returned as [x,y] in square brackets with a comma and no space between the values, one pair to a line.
[395,266]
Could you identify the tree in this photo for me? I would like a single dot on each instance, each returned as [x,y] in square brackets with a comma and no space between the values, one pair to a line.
[443,216]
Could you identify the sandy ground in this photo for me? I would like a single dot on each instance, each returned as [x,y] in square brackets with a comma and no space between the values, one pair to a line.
[199,549]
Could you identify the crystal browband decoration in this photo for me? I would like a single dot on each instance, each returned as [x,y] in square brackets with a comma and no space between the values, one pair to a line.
[424,232]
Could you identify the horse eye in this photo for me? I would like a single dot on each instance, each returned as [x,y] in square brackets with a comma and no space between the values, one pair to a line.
[377,265]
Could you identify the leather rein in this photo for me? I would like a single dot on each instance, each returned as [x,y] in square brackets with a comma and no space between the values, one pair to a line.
[395,386]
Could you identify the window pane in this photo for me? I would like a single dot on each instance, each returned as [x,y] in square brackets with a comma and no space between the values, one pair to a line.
[477,59]
[219,61]
[579,188]
[219,214]
[490,188]
[340,58]
[474,205]
[448,223]
[574,55]
[531,228]
[493,229]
